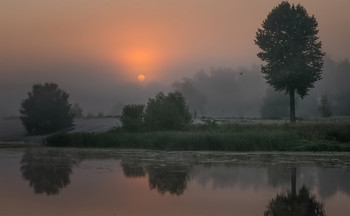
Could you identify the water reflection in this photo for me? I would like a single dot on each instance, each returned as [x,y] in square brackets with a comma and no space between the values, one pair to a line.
[292,203]
[133,168]
[164,177]
[172,178]
[199,183]
[302,203]
[47,171]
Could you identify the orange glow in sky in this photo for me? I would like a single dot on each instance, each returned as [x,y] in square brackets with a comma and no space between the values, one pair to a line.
[163,40]
[139,63]
[141,77]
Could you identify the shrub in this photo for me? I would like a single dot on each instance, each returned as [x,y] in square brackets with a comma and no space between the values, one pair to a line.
[46,109]
[167,112]
[132,117]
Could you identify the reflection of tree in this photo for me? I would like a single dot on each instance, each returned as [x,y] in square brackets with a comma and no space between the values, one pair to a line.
[300,203]
[132,168]
[164,176]
[170,178]
[47,171]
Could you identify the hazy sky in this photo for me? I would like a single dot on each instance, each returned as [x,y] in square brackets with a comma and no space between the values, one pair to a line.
[96,41]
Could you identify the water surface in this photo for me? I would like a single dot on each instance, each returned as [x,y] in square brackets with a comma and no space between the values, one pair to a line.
[49,181]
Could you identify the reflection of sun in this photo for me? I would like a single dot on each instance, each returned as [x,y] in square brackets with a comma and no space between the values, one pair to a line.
[141,77]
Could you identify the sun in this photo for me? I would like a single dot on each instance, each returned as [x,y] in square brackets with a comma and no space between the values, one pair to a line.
[141,77]
[139,62]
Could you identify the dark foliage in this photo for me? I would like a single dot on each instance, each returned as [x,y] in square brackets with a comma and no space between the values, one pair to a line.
[167,112]
[46,109]
[47,171]
[301,204]
[172,178]
[132,117]
[290,47]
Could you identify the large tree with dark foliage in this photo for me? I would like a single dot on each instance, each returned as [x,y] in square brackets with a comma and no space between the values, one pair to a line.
[292,50]
[46,109]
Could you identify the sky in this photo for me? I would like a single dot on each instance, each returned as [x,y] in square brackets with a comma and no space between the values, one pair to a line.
[89,46]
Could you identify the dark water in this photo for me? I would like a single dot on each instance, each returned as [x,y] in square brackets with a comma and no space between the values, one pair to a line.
[47,181]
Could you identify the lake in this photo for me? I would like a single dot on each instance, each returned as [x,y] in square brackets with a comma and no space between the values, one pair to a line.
[49,181]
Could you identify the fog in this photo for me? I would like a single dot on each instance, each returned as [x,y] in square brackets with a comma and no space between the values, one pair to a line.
[213,92]
[94,50]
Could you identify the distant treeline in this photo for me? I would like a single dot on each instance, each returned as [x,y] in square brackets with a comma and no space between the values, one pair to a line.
[226,92]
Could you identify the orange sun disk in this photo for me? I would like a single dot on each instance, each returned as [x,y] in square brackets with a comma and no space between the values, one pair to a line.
[140,61]
[141,77]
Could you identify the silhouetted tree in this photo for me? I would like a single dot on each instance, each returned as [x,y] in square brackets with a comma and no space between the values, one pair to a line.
[47,171]
[167,112]
[132,117]
[289,43]
[324,107]
[77,111]
[46,109]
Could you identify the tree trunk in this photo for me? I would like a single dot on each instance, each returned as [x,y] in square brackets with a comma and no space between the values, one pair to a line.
[292,106]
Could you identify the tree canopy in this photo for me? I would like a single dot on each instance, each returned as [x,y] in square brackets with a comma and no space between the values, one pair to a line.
[46,109]
[292,51]
[167,112]
[132,117]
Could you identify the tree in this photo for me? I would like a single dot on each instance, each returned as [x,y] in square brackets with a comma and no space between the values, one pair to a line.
[324,107]
[77,111]
[167,112]
[46,109]
[289,43]
[132,117]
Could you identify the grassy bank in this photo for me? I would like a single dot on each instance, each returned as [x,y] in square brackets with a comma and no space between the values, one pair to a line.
[320,136]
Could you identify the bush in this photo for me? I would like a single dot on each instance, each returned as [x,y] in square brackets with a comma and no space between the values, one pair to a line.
[167,112]
[132,117]
[46,109]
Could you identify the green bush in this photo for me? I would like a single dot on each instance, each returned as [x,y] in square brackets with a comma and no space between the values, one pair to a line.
[132,117]
[167,112]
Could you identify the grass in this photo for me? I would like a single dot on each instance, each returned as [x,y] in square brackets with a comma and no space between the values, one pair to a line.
[312,136]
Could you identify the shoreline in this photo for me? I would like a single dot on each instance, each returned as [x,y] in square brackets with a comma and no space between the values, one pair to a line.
[223,137]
